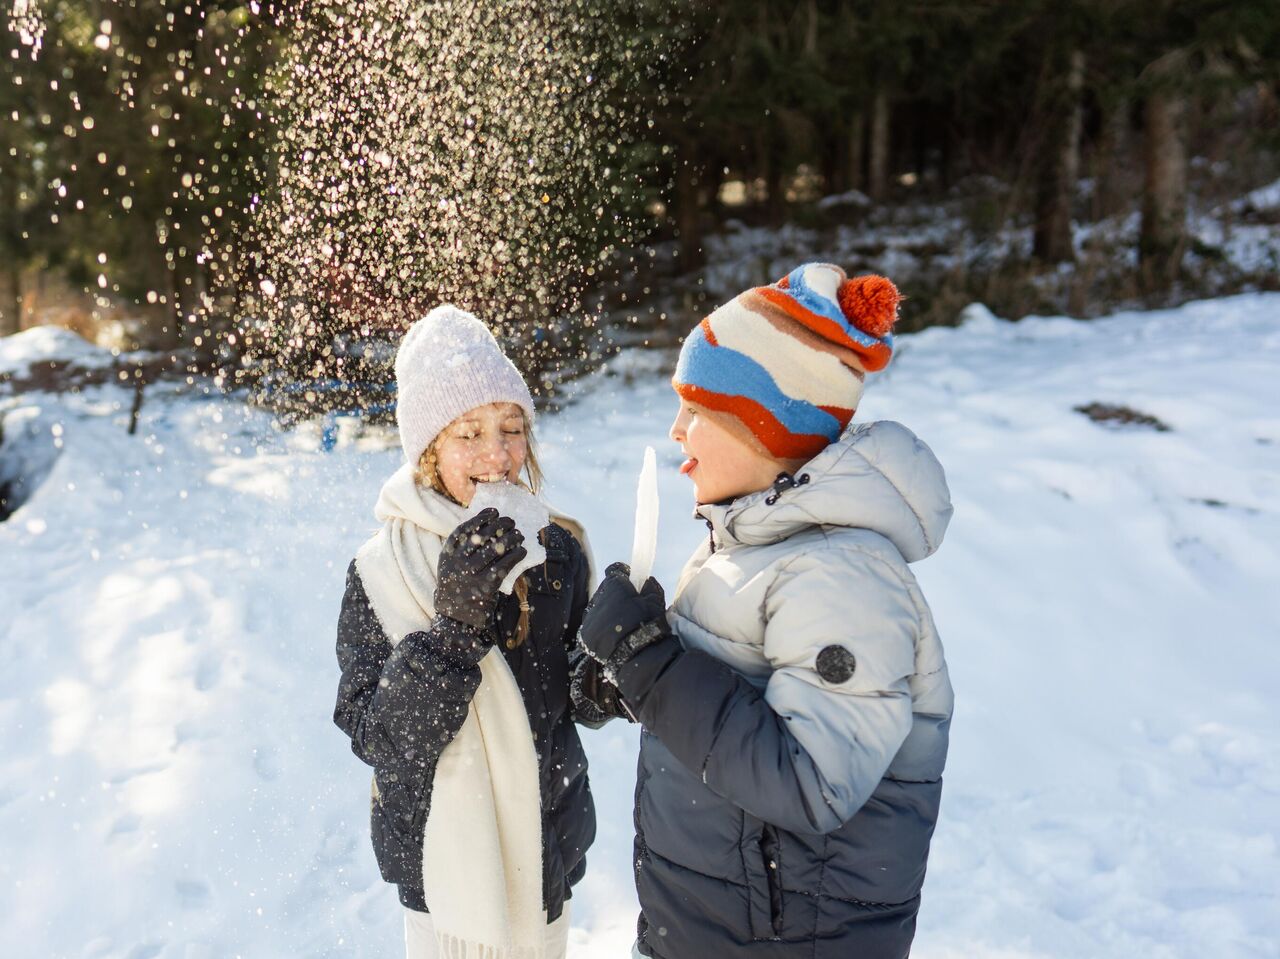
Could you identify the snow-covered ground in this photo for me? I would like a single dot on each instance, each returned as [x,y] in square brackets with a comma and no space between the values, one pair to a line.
[172,787]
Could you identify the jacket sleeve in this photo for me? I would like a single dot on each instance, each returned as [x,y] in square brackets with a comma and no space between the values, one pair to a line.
[806,752]
[581,594]
[402,706]
[592,703]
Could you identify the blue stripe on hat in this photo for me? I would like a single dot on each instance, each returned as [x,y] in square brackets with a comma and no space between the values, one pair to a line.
[730,373]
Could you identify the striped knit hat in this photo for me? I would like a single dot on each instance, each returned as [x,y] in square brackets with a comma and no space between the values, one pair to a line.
[783,365]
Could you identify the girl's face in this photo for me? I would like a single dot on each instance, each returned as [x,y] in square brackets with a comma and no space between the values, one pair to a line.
[721,466]
[484,445]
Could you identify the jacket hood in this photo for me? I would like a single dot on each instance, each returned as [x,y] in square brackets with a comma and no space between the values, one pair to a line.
[877,476]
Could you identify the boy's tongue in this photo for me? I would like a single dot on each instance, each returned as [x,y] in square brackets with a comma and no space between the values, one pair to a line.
[687,466]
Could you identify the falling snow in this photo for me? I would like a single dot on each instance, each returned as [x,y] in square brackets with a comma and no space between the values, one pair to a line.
[441,153]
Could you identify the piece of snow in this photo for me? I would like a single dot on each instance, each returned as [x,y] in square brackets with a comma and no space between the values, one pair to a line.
[978,317]
[1261,200]
[42,344]
[644,546]
[849,198]
[530,516]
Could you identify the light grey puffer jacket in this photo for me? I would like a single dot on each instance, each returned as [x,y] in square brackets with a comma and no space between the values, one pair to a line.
[785,804]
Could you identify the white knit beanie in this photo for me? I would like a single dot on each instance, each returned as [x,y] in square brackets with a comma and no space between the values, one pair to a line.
[449,363]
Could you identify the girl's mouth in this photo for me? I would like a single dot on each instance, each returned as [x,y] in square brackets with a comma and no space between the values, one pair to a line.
[687,466]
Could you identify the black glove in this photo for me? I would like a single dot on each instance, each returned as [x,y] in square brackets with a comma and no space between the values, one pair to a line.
[476,558]
[619,621]
[595,700]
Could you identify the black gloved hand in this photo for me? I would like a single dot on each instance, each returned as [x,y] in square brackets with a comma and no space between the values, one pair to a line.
[476,558]
[595,700]
[613,622]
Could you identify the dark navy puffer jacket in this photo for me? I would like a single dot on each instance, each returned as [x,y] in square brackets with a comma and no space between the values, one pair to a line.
[796,724]
[402,706]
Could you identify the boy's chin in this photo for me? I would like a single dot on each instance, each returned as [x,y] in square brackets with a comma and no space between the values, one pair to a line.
[709,497]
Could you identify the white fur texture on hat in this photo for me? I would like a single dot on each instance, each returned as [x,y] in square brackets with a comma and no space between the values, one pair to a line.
[449,363]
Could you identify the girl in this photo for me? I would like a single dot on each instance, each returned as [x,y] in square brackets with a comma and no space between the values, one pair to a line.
[455,693]
[795,698]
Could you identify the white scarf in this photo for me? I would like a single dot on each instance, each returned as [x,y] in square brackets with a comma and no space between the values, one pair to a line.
[482,846]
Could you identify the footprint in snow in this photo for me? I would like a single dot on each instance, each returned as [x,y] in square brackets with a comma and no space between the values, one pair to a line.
[266,764]
[124,825]
[208,673]
[146,950]
[192,893]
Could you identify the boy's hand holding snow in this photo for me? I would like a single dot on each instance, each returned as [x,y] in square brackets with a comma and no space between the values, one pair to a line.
[473,563]
[619,621]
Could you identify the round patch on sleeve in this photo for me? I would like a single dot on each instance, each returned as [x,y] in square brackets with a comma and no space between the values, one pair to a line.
[836,664]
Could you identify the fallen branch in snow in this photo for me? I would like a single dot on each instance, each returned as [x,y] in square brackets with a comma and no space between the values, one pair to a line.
[1121,416]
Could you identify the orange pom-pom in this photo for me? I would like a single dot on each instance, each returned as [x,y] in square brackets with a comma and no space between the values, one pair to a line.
[871,304]
[783,283]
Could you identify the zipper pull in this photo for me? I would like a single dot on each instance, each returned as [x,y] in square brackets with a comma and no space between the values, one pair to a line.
[784,482]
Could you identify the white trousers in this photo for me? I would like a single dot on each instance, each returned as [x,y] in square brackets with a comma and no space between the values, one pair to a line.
[420,935]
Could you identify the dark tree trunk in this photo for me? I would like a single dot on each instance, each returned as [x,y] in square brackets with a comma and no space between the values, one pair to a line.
[1111,167]
[948,162]
[1164,194]
[777,210]
[11,311]
[11,307]
[768,156]
[857,144]
[831,166]
[878,161]
[687,215]
[1059,165]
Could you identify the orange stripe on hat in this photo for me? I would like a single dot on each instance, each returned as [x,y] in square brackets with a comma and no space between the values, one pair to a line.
[842,416]
[777,439]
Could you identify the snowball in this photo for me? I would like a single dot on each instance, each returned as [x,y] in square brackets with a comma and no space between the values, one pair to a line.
[530,516]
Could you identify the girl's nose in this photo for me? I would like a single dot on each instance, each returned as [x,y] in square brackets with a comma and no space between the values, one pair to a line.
[496,453]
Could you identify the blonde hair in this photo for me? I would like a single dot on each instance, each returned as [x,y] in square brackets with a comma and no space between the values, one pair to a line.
[427,474]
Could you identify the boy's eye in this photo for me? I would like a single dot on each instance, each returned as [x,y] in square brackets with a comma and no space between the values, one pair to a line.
[516,432]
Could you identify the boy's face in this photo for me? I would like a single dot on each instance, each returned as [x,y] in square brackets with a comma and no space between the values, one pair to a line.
[721,466]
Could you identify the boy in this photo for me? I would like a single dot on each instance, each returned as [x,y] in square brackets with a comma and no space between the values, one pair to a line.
[795,697]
